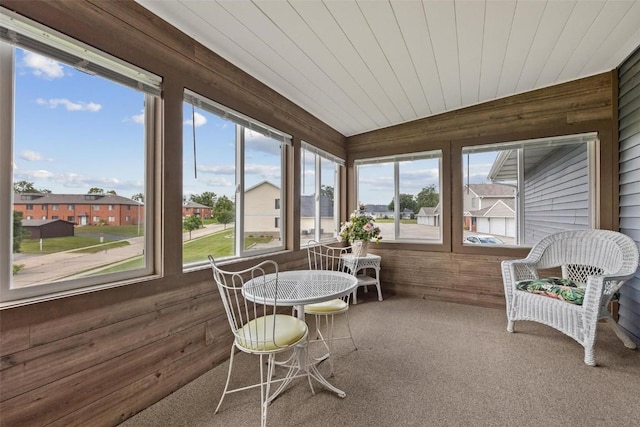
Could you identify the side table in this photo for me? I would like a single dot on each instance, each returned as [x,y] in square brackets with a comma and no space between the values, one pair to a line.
[365,262]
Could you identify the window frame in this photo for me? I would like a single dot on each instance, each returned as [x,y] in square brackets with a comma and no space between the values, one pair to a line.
[595,151]
[444,243]
[50,43]
[339,165]
[243,123]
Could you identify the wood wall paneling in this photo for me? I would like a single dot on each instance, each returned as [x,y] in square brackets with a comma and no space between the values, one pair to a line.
[98,358]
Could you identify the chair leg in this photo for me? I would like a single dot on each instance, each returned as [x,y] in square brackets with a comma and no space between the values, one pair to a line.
[226,386]
[510,325]
[620,332]
[346,314]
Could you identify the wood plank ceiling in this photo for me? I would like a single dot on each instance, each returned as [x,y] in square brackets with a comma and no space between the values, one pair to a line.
[364,65]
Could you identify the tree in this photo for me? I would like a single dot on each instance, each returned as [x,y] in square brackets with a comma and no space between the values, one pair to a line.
[428,197]
[24,187]
[223,204]
[138,197]
[407,201]
[19,232]
[207,198]
[96,190]
[327,190]
[112,192]
[191,223]
[225,217]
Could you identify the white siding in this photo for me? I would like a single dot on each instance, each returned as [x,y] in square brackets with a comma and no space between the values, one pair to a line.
[557,194]
[629,127]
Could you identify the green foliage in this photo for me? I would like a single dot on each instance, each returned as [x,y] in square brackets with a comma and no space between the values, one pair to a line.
[191,223]
[95,190]
[361,226]
[138,197]
[19,232]
[223,204]
[327,190]
[27,187]
[428,197]
[17,268]
[407,201]
[207,198]
[225,217]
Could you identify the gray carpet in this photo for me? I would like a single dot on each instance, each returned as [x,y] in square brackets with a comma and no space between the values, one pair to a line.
[425,363]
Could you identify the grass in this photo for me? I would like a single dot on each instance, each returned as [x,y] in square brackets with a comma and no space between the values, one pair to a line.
[59,244]
[218,244]
[115,230]
[402,221]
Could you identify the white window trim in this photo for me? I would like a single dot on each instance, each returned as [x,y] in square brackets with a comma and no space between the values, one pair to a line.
[148,84]
[395,162]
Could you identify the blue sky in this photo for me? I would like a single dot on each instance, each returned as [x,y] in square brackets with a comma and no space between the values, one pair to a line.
[74,131]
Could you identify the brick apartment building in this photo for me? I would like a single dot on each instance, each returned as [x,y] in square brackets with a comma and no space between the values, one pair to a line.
[80,209]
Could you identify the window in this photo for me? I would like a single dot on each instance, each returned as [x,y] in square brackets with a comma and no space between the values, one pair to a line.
[112,219]
[55,217]
[70,219]
[320,176]
[95,207]
[277,204]
[515,193]
[111,207]
[83,101]
[235,166]
[415,180]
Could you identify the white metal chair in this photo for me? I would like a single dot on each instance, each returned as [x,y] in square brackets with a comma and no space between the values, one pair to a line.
[257,327]
[598,262]
[326,257]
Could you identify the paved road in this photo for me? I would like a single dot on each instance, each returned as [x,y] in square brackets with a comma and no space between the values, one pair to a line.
[38,269]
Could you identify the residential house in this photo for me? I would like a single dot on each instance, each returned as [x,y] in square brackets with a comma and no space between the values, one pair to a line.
[191,208]
[429,216]
[80,209]
[490,207]
[262,206]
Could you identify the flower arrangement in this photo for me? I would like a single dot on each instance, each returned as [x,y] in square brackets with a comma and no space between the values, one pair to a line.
[361,226]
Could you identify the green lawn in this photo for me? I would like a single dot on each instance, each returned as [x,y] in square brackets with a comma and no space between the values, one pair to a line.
[116,230]
[59,244]
[402,221]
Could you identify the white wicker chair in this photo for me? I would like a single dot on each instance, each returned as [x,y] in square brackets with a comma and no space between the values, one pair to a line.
[600,259]
[258,328]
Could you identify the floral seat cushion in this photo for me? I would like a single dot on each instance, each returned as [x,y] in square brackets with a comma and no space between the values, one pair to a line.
[554,287]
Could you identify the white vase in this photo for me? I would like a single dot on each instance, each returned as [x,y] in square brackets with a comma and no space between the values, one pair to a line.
[363,245]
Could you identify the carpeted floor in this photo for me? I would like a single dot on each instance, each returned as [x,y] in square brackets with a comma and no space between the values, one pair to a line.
[425,363]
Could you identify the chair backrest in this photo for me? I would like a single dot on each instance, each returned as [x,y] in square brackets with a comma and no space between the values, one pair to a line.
[242,312]
[582,253]
[336,258]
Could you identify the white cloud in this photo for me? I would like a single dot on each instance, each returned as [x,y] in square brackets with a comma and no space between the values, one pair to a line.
[199,120]
[43,67]
[138,118]
[70,105]
[31,156]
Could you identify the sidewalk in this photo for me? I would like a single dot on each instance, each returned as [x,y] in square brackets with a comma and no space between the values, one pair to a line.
[40,269]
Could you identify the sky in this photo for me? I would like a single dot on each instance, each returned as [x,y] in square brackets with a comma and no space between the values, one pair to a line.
[74,131]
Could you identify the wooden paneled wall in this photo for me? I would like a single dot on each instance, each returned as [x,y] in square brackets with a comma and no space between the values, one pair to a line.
[97,358]
[471,275]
